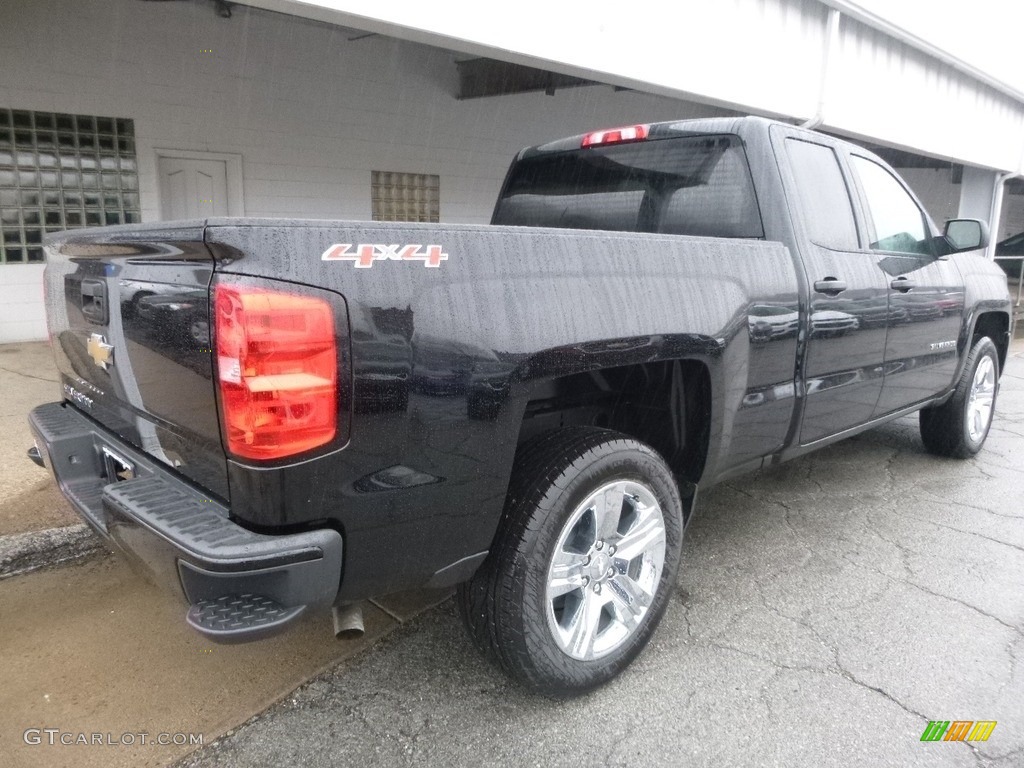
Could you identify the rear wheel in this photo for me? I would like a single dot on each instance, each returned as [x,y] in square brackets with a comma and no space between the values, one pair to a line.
[958,428]
[583,564]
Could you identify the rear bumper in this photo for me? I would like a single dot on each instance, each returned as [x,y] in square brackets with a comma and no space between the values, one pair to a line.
[240,585]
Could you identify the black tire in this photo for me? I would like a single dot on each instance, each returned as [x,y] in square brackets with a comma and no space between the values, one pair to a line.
[945,429]
[506,607]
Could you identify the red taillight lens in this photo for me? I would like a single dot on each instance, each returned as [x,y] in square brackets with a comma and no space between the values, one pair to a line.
[277,364]
[616,136]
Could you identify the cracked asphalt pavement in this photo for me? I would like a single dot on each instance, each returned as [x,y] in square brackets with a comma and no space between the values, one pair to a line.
[827,609]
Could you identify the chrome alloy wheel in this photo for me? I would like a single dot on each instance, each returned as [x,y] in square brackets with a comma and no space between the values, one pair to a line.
[979,404]
[605,569]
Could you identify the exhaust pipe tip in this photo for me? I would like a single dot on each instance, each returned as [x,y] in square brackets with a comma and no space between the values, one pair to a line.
[348,621]
[36,456]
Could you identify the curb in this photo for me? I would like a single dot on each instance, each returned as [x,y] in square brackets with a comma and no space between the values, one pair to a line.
[25,552]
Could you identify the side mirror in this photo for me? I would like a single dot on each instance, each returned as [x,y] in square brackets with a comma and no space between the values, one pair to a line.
[967,234]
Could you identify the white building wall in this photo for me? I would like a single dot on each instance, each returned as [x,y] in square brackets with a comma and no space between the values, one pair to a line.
[885,90]
[763,56]
[311,112]
[936,190]
[22,315]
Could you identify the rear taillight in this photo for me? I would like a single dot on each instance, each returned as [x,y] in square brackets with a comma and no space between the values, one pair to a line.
[616,136]
[277,366]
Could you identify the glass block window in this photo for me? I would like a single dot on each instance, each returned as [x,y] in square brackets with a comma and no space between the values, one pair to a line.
[61,172]
[405,196]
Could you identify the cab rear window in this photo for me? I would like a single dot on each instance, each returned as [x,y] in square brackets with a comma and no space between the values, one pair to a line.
[695,185]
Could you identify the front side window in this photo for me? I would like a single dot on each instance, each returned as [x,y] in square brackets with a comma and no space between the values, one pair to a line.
[898,224]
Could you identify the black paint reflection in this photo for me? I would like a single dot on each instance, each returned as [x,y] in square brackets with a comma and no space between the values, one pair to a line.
[179,317]
[766,322]
[381,355]
[927,294]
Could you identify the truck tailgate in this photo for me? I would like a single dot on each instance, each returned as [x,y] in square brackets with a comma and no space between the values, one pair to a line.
[129,318]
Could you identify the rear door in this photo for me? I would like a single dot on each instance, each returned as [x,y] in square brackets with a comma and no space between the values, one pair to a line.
[844,322]
[926,291]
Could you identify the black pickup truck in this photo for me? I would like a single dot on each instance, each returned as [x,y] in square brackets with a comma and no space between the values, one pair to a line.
[282,416]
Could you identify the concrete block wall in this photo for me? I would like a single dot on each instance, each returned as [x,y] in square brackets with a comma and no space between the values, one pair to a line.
[311,110]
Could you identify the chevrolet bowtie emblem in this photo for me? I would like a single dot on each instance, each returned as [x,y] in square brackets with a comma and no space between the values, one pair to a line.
[101,353]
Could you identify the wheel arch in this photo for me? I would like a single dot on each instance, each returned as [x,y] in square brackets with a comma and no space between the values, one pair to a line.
[995,325]
[666,404]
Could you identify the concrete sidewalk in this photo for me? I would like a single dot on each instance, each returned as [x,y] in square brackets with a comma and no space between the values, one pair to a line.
[29,500]
[109,652]
[37,526]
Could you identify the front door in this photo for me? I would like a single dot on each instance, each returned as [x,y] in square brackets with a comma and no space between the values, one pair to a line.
[192,187]
[926,292]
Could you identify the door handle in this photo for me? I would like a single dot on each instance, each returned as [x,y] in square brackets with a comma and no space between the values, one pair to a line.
[902,284]
[830,285]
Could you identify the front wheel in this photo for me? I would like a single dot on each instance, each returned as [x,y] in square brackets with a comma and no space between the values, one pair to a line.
[583,562]
[958,427]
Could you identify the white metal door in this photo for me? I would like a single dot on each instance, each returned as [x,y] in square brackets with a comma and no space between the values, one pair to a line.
[192,188]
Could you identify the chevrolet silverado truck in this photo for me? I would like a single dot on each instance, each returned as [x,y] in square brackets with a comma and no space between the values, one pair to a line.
[277,417]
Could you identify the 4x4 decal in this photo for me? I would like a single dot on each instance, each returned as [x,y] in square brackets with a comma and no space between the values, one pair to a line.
[364,255]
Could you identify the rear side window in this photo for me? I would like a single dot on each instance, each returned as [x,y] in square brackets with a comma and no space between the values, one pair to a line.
[824,197]
[696,185]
